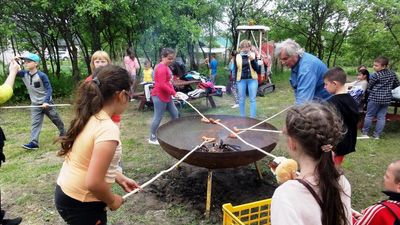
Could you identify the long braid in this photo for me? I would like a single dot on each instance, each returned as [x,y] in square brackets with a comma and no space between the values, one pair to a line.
[314,125]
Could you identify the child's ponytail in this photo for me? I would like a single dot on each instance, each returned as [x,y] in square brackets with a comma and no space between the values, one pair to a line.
[90,99]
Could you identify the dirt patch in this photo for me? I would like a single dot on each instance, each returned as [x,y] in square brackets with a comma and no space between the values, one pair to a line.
[186,186]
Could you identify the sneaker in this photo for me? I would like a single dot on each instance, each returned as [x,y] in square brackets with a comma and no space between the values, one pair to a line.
[15,221]
[376,137]
[235,106]
[364,136]
[153,142]
[30,146]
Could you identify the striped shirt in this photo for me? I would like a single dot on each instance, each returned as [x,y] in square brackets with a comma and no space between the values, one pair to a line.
[380,86]
[379,215]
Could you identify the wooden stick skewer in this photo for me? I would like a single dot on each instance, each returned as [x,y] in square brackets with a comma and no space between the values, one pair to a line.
[32,106]
[261,130]
[163,172]
[237,134]
[244,130]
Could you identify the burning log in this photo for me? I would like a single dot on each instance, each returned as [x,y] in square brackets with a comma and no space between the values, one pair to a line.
[219,147]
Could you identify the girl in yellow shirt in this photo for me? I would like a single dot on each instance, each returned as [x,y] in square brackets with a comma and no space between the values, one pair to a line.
[147,72]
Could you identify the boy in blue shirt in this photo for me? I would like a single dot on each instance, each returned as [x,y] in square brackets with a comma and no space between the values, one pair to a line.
[39,89]
[213,67]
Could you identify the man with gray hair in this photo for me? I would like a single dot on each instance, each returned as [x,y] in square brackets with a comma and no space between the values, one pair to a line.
[307,77]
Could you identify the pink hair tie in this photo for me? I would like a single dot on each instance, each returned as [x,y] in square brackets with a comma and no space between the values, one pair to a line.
[327,148]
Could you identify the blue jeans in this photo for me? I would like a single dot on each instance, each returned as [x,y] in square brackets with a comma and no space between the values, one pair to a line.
[375,110]
[234,91]
[251,85]
[37,115]
[159,109]
[213,78]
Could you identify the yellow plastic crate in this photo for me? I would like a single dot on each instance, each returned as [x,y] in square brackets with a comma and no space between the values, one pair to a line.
[254,213]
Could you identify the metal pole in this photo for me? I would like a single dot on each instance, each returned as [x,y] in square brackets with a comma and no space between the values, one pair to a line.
[32,106]
[238,41]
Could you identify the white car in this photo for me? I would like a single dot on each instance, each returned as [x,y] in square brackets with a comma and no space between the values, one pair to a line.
[63,55]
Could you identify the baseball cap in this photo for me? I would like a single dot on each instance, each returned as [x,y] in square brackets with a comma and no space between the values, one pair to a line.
[31,56]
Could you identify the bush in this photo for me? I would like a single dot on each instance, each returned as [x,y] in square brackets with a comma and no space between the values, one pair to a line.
[62,87]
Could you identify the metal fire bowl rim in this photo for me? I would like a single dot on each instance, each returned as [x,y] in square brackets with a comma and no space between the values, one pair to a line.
[218,160]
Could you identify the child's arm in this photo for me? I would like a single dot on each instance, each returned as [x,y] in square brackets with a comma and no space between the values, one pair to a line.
[162,81]
[350,84]
[13,70]
[372,81]
[6,90]
[47,87]
[102,154]
[137,66]
[126,183]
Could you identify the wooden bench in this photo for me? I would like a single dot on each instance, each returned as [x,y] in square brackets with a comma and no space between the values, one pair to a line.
[181,84]
[143,102]
[209,99]
[178,85]
[141,98]
[395,103]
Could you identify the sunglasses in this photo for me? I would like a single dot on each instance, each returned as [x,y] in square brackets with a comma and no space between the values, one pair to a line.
[128,94]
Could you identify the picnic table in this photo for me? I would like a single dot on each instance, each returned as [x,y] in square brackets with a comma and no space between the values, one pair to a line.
[178,85]
[395,103]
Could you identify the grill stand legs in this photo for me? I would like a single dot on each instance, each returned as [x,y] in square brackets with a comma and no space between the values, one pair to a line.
[208,201]
[209,188]
[256,164]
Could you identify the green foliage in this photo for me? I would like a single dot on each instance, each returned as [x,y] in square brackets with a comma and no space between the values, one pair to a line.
[20,92]
[347,32]
[63,86]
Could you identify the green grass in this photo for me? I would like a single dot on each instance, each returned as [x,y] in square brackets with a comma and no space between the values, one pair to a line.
[28,178]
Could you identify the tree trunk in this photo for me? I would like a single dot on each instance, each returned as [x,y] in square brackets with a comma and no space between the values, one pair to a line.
[13,45]
[191,53]
[85,52]
[95,34]
[3,59]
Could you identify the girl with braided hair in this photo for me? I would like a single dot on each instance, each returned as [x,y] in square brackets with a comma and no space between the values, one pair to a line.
[321,194]
[91,151]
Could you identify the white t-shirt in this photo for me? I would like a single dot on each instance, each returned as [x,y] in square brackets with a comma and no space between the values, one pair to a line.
[292,203]
[362,84]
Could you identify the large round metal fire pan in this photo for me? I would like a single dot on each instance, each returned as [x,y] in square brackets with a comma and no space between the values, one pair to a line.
[179,136]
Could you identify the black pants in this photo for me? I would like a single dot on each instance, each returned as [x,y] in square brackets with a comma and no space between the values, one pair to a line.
[75,212]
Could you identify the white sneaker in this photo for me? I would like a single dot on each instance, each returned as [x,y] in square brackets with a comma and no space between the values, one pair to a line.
[155,142]
[364,136]
[235,106]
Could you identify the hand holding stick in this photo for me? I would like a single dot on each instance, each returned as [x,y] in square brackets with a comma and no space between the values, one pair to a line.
[163,172]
